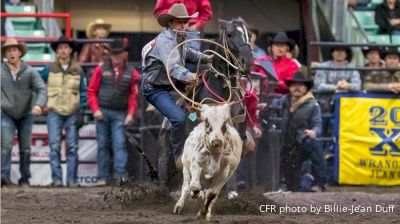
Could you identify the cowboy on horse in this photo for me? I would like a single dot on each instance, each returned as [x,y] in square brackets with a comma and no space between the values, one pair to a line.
[156,86]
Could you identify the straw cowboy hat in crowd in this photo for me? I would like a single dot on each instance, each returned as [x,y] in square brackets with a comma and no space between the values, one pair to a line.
[177,11]
[12,42]
[97,23]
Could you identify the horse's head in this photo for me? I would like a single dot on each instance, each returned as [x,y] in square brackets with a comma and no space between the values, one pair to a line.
[237,39]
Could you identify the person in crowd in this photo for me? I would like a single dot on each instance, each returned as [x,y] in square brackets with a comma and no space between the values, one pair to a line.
[387,17]
[373,56]
[294,54]
[256,50]
[327,82]
[340,80]
[301,125]
[95,52]
[374,61]
[112,96]
[7,28]
[284,66]
[156,87]
[66,87]
[388,81]
[19,83]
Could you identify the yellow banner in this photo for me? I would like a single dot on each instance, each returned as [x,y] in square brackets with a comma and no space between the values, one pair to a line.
[369,140]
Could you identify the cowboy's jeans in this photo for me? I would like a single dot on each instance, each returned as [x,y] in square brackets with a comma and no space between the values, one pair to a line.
[162,100]
[55,124]
[111,127]
[24,133]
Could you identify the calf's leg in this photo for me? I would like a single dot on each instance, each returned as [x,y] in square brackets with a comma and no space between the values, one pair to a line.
[185,191]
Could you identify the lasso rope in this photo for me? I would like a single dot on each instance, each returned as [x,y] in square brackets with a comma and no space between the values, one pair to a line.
[227,51]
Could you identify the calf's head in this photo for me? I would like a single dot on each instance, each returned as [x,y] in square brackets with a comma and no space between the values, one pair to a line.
[215,120]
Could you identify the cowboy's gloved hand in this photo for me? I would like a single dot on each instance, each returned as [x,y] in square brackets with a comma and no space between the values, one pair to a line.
[193,78]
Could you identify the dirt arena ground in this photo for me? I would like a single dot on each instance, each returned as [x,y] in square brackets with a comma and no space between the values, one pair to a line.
[148,204]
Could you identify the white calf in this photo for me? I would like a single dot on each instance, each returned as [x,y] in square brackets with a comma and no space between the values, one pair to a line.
[210,157]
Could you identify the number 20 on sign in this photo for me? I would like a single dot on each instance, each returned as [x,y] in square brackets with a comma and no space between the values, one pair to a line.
[379,123]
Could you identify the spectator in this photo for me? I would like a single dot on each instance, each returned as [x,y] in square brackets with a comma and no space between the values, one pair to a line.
[19,83]
[301,124]
[65,78]
[95,52]
[204,10]
[284,67]
[331,80]
[294,54]
[156,87]
[388,81]
[387,16]
[256,50]
[7,28]
[112,94]
[373,56]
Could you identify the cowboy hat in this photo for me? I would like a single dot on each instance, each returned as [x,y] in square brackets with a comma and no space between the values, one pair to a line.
[118,46]
[97,23]
[347,49]
[177,11]
[64,40]
[12,42]
[300,77]
[366,49]
[281,38]
[390,50]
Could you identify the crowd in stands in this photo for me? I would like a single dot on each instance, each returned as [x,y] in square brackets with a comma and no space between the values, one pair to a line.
[110,90]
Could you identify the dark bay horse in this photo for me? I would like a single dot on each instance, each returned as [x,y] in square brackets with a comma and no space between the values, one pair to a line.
[213,87]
